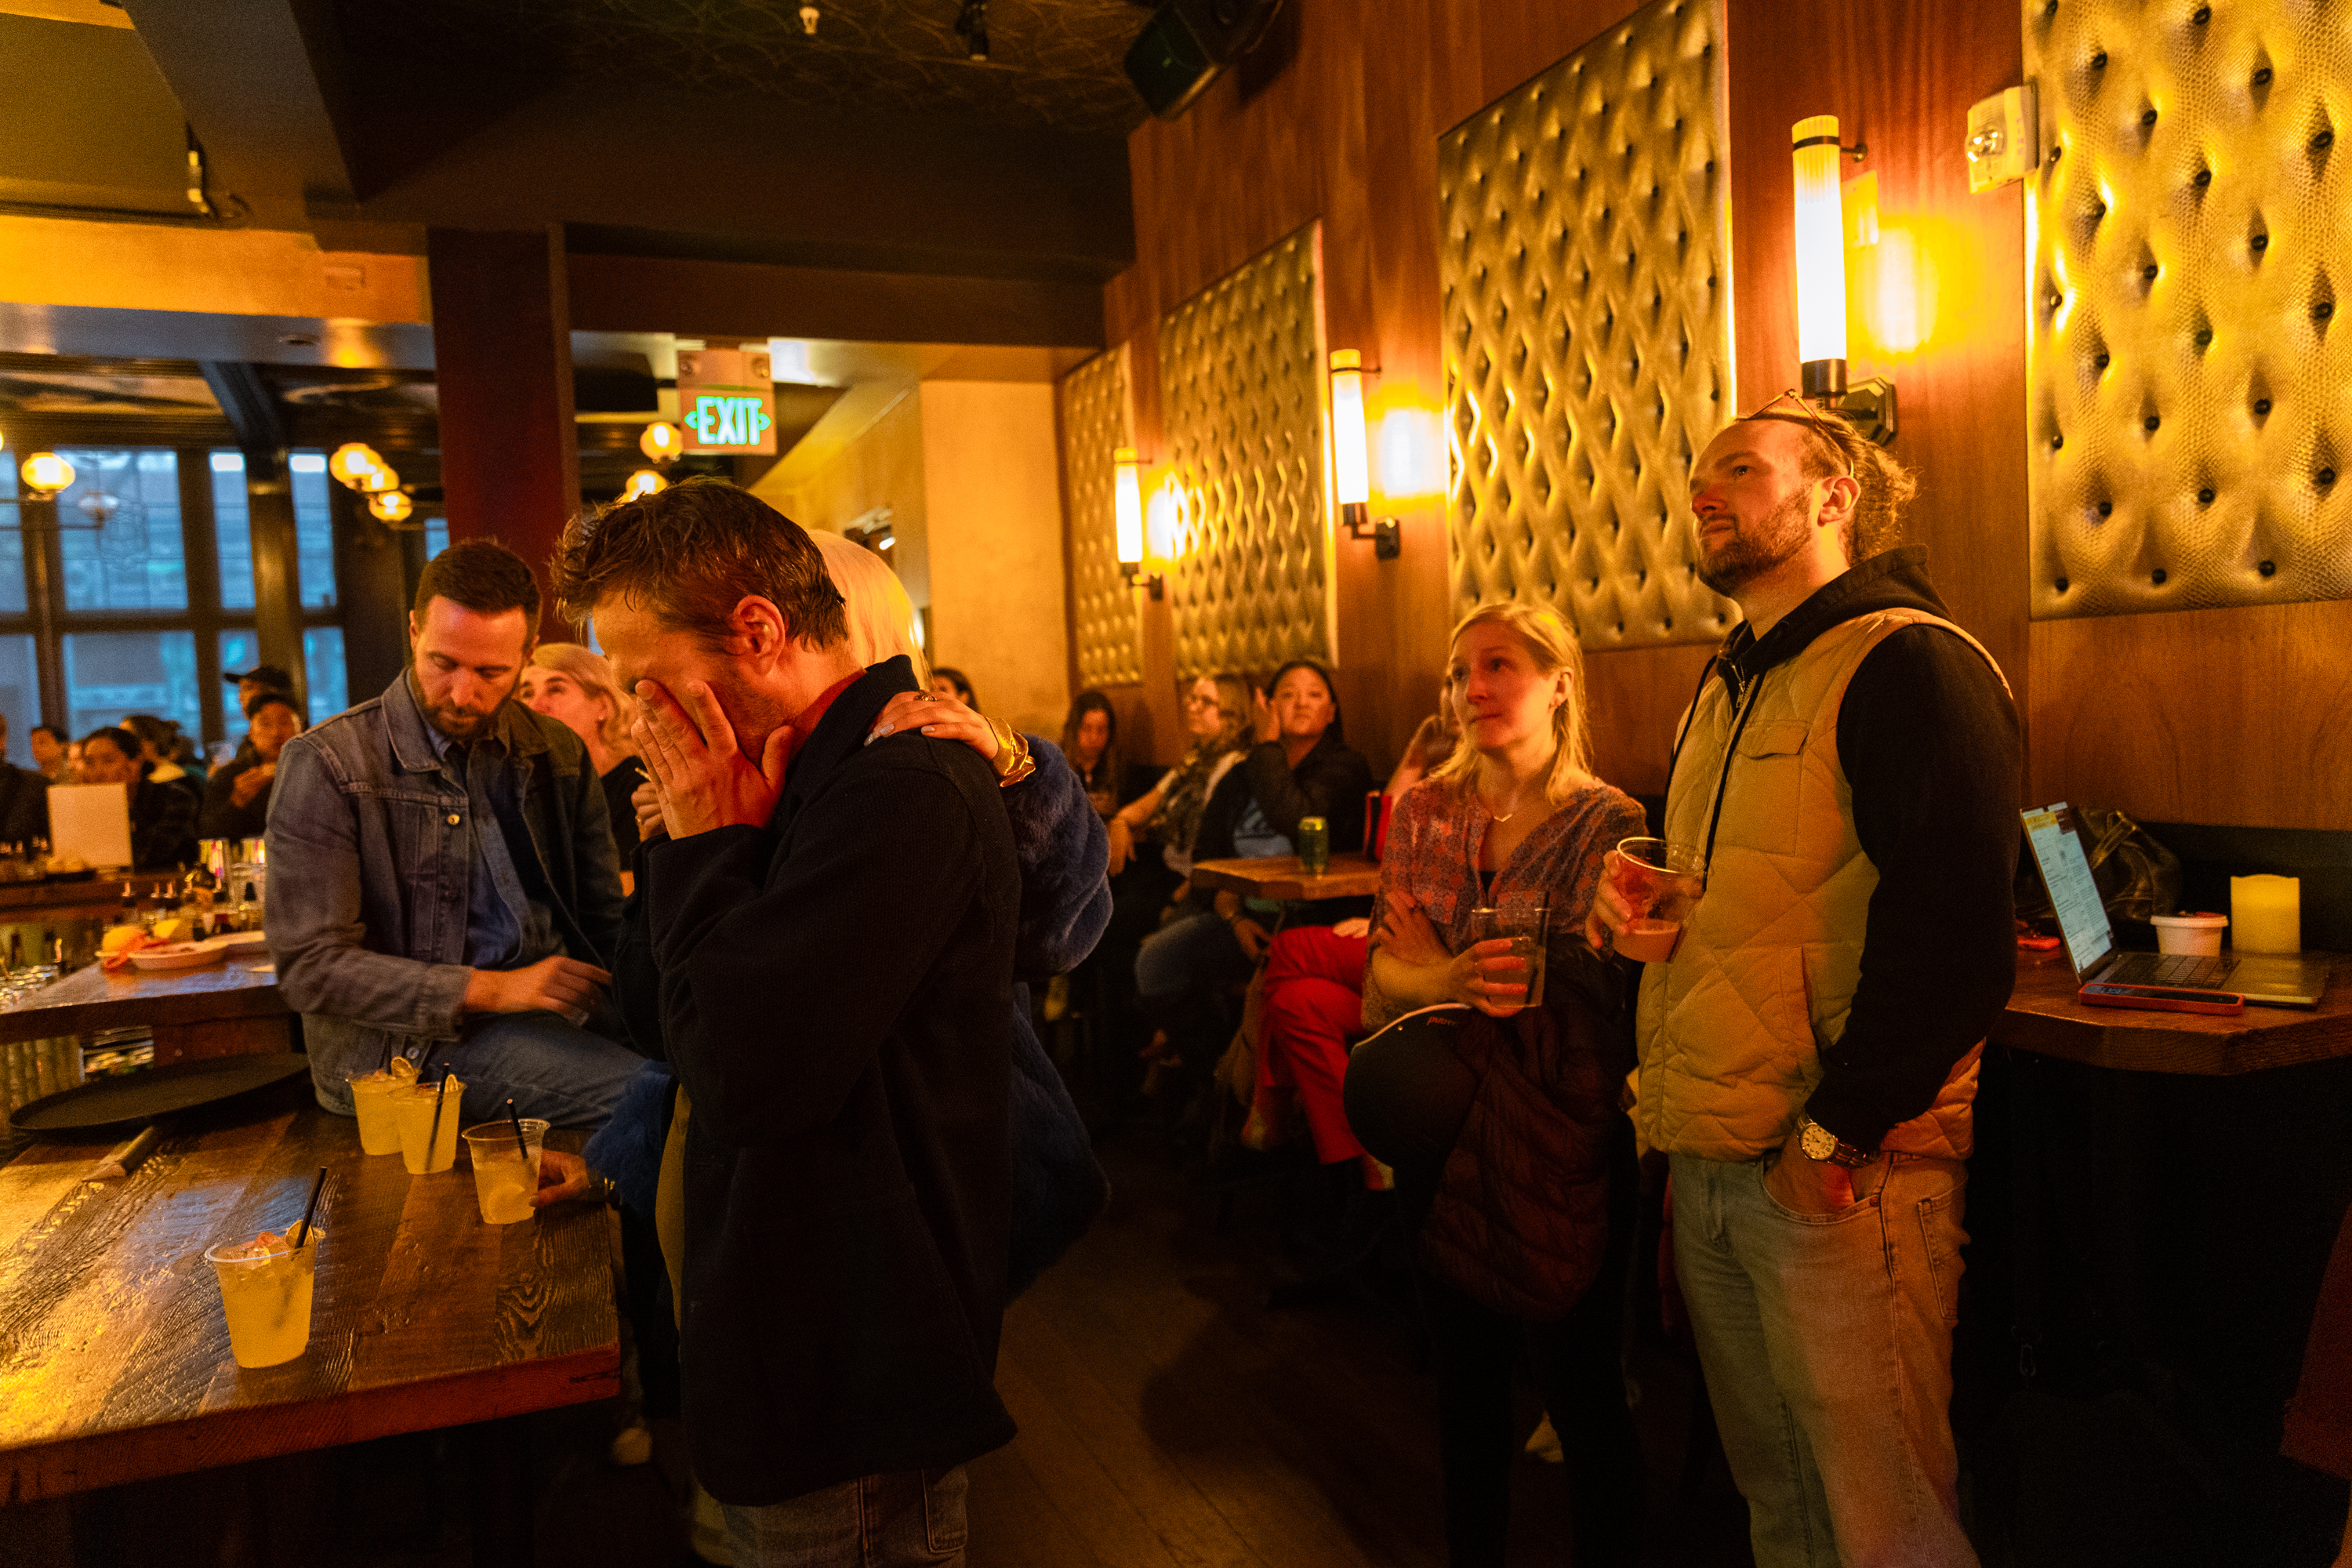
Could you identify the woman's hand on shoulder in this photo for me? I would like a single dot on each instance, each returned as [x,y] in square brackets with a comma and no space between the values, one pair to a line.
[941,718]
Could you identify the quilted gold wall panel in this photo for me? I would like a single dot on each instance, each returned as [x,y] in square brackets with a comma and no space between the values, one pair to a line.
[2190,413]
[1095,423]
[1242,383]
[1586,259]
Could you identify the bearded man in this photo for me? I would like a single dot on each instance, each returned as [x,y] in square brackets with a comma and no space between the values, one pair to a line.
[443,882]
[1809,1054]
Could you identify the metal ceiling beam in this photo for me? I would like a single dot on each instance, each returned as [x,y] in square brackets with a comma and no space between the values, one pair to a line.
[267,85]
[253,413]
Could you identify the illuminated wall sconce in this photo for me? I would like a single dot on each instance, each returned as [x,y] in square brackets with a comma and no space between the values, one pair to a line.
[390,506]
[45,474]
[1127,512]
[662,442]
[1820,284]
[643,483]
[381,479]
[1351,463]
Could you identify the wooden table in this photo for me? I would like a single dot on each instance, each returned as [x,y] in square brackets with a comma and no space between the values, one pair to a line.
[114,1358]
[227,1009]
[2043,1017]
[1282,878]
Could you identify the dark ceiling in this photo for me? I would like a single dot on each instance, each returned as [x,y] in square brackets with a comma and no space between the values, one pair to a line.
[1051,64]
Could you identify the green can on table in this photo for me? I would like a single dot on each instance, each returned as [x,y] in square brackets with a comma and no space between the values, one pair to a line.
[1314,845]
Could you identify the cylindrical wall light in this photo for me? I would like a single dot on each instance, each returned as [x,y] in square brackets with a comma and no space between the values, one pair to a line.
[661,442]
[390,506]
[1351,461]
[353,461]
[45,474]
[1821,256]
[1127,515]
[643,483]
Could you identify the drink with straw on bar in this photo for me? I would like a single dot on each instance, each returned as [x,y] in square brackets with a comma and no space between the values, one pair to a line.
[266,1289]
[505,1174]
[372,1098]
[427,1117]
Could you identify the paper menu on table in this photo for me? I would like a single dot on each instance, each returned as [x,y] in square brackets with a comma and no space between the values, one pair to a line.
[90,823]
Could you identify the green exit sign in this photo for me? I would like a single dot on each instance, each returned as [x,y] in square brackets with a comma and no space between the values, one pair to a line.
[727,400]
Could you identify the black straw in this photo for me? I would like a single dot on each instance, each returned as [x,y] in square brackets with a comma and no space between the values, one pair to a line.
[522,1144]
[434,1136]
[302,1234]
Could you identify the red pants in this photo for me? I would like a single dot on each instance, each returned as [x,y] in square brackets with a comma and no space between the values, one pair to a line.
[1314,1002]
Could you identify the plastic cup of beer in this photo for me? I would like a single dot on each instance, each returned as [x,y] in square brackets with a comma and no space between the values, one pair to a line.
[1521,921]
[505,1176]
[427,1147]
[265,1286]
[1660,883]
[372,1098]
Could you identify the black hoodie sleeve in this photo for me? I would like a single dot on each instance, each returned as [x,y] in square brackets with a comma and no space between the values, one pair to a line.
[1929,741]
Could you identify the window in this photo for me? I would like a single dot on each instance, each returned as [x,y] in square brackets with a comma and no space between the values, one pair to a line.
[233,532]
[436,536]
[119,532]
[109,675]
[132,572]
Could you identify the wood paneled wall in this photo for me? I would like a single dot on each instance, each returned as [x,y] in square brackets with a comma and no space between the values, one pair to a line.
[2222,716]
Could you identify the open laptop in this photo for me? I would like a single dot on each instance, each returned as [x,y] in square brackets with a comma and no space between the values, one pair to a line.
[2162,980]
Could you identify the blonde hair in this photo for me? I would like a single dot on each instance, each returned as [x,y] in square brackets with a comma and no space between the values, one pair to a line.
[586,668]
[1553,647]
[881,615]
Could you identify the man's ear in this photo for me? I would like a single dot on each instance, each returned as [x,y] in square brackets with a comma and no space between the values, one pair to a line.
[1841,495]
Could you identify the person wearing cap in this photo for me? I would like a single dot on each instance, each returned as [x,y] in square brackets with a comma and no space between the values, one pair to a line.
[237,800]
[251,684]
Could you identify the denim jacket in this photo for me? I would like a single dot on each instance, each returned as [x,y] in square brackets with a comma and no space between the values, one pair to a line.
[369,875]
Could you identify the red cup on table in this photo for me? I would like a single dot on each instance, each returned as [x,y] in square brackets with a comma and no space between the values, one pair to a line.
[1660,883]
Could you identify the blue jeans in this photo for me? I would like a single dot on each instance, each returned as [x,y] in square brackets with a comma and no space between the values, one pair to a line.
[1827,1342]
[911,1518]
[1194,953]
[550,1067]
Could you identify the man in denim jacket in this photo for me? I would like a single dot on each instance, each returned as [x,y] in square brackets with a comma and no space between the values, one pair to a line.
[445,884]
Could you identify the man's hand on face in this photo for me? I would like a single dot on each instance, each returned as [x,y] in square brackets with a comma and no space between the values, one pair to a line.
[561,985]
[706,780]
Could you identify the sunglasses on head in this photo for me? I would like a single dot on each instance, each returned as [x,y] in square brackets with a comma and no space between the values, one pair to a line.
[1805,414]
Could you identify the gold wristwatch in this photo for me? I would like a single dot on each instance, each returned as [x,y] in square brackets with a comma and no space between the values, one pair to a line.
[1820,1144]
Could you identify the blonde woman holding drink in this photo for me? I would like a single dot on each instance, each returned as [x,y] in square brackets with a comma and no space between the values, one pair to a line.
[1499,1117]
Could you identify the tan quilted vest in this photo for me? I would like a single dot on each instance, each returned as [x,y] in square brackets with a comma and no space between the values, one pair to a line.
[1731,1029]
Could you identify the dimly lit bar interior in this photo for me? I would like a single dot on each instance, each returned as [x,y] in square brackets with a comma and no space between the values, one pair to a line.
[1108,784]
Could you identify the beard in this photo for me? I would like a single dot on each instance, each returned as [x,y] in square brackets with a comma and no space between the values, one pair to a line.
[1747,554]
[455,722]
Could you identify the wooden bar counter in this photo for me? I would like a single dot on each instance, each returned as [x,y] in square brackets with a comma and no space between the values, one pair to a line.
[114,1355]
[226,1009]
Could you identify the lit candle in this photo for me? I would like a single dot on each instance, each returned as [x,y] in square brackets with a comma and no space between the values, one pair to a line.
[2266,914]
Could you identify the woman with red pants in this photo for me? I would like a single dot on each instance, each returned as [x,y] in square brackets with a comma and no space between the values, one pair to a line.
[1313,995]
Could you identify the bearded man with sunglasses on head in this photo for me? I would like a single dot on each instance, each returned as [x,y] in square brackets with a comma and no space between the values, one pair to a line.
[1809,1053]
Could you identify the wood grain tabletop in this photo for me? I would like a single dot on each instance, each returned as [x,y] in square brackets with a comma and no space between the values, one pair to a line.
[243,986]
[1282,876]
[114,1355]
[2044,1017]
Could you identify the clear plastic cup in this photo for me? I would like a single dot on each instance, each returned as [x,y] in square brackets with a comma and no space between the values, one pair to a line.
[266,1295]
[1519,921]
[427,1147]
[505,1176]
[372,1098]
[1660,883]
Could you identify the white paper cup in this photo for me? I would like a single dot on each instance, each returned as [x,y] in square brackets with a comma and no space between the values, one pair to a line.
[2194,936]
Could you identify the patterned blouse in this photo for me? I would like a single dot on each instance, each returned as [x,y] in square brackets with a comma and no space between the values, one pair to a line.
[1432,854]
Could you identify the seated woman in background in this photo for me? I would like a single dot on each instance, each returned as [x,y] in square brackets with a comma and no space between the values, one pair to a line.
[950,682]
[1513,817]
[1315,993]
[162,815]
[574,686]
[1090,745]
[237,798]
[1302,767]
[159,752]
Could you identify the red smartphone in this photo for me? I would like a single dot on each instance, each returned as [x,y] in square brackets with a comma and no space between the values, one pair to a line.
[2162,998]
